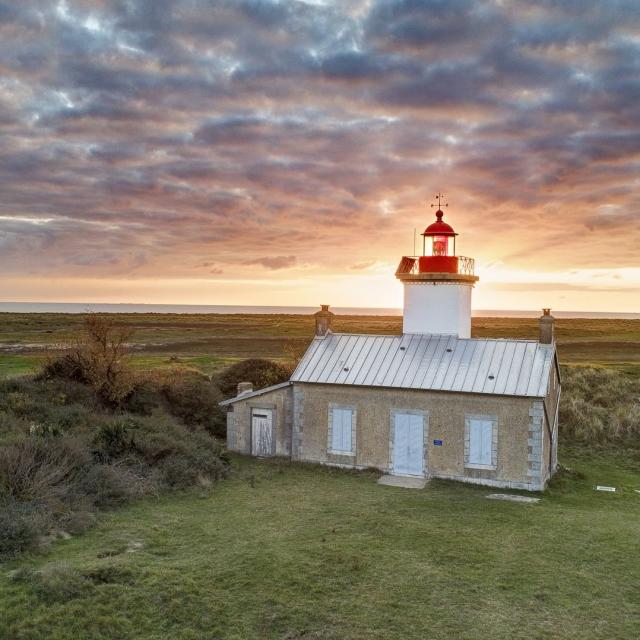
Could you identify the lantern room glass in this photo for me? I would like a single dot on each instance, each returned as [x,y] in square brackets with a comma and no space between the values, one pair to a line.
[439,246]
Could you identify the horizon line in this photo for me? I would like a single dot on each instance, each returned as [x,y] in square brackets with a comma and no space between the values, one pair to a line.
[293,309]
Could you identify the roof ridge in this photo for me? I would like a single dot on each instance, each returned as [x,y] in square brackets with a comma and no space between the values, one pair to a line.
[431,335]
[257,392]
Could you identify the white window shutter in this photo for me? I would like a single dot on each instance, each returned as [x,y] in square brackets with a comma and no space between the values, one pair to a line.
[346,430]
[475,442]
[480,441]
[336,429]
[487,433]
[341,422]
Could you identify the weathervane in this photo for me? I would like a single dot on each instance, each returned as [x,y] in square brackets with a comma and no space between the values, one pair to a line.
[440,199]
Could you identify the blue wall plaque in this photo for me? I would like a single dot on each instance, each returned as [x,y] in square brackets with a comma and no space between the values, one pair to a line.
[437,443]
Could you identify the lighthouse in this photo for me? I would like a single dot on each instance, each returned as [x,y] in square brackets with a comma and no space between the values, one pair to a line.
[438,283]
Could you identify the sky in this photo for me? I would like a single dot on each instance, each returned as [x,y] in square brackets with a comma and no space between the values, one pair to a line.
[263,152]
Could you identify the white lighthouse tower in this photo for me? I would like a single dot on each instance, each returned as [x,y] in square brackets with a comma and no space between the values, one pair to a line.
[437,284]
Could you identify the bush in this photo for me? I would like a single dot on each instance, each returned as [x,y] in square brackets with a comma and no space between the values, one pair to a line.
[145,398]
[50,407]
[261,373]
[599,406]
[41,470]
[106,485]
[20,527]
[64,455]
[113,438]
[195,401]
[98,358]
[183,459]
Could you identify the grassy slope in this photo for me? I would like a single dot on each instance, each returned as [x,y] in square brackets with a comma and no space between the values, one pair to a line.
[209,342]
[264,561]
[289,551]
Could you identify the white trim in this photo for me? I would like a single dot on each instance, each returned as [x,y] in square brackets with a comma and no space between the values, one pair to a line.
[253,394]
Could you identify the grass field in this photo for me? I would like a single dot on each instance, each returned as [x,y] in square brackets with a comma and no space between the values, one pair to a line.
[287,551]
[209,342]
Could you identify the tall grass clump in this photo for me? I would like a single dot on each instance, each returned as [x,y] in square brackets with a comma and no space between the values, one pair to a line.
[600,406]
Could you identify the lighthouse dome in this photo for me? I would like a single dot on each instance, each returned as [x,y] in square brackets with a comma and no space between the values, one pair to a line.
[439,228]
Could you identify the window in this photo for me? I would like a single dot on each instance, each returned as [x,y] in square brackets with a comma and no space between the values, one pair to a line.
[481,442]
[341,430]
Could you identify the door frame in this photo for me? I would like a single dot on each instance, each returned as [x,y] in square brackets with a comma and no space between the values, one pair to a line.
[272,411]
[425,439]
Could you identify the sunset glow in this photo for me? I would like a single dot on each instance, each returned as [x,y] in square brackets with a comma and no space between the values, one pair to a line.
[283,153]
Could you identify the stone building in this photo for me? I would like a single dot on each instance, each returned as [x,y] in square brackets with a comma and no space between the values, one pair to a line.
[432,402]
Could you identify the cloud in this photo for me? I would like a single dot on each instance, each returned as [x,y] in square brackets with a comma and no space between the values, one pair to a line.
[143,140]
[361,266]
[275,262]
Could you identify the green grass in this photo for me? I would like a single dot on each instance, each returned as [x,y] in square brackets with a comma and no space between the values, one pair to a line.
[203,363]
[282,550]
[12,365]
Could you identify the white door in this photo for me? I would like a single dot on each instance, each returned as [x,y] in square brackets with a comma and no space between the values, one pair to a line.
[408,444]
[262,432]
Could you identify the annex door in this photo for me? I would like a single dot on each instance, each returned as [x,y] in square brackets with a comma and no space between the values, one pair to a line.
[262,432]
[408,444]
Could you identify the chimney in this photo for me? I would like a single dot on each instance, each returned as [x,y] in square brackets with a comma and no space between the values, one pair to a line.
[324,318]
[245,387]
[547,322]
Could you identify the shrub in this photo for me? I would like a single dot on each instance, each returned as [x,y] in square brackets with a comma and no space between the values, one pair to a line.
[106,485]
[260,372]
[51,407]
[64,455]
[145,397]
[20,527]
[41,470]
[11,425]
[113,438]
[195,401]
[183,458]
[98,358]
[79,515]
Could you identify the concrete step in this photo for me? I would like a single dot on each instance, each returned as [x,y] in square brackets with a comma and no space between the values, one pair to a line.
[406,482]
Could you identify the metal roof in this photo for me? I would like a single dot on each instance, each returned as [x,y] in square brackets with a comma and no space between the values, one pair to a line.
[424,361]
[252,394]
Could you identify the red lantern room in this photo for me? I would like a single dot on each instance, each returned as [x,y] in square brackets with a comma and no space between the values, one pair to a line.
[438,254]
[439,247]
[439,238]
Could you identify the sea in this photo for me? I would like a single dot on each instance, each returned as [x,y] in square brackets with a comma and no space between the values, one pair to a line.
[90,307]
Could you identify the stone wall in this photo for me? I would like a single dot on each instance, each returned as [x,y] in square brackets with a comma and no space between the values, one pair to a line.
[519,440]
[280,401]
[301,419]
